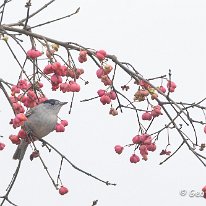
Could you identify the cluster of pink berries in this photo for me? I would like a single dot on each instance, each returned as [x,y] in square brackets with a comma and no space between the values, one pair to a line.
[144,143]
[82,56]
[28,97]
[58,71]
[106,97]
[18,120]
[102,73]
[16,139]
[156,111]
[60,127]
[101,55]
[145,90]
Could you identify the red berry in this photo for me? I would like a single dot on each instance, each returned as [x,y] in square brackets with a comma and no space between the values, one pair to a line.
[151,147]
[134,158]
[14,139]
[21,117]
[59,128]
[105,99]
[143,150]
[64,123]
[112,95]
[101,54]
[100,72]
[33,53]
[74,87]
[2,145]
[147,116]
[22,134]
[101,92]
[63,190]
[171,86]
[118,149]
[136,139]
[163,89]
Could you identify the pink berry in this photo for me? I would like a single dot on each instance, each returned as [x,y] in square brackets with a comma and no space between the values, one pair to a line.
[171,86]
[156,111]
[105,99]
[112,95]
[74,87]
[63,190]
[148,140]
[143,150]
[33,53]
[21,117]
[22,134]
[163,89]
[146,116]
[64,87]
[48,69]
[136,139]
[59,128]
[100,72]
[118,149]
[56,79]
[64,123]
[101,92]
[151,147]
[14,139]
[134,159]
[2,145]
[101,54]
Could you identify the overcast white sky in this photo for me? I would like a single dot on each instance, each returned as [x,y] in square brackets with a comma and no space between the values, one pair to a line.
[154,36]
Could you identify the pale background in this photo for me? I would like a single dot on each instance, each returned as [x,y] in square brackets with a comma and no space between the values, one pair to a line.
[154,36]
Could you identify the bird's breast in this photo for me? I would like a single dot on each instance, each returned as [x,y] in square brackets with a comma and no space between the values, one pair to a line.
[41,126]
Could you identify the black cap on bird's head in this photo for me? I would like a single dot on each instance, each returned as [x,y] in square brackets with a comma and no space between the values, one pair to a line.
[54,102]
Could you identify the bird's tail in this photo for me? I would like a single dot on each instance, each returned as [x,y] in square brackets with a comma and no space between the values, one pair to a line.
[20,151]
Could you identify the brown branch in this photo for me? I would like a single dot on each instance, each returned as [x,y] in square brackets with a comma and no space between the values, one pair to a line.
[74,166]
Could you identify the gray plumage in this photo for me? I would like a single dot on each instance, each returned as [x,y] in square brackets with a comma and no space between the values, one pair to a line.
[41,121]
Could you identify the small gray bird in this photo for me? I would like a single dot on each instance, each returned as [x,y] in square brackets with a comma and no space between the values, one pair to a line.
[41,121]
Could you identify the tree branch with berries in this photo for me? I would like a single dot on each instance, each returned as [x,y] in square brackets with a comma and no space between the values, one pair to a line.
[54,62]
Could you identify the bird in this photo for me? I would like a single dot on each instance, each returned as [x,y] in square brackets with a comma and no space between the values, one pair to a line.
[41,120]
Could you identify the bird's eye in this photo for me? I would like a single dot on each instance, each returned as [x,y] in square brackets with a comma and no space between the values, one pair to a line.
[52,102]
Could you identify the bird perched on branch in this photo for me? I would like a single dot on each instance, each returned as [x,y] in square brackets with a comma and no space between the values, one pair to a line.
[41,120]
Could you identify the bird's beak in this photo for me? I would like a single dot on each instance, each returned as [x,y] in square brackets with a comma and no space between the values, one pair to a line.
[63,103]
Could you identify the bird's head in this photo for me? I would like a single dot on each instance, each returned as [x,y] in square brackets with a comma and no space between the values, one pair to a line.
[53,105]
